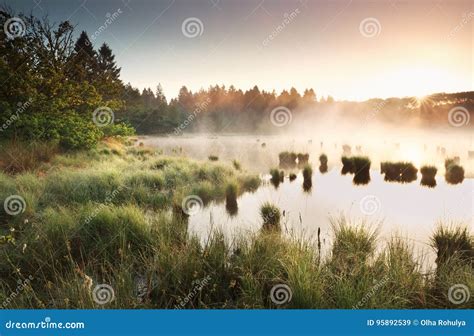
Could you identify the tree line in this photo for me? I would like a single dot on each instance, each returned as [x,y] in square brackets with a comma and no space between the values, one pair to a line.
[56,87]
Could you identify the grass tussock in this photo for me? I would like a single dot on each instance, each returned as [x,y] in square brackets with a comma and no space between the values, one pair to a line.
[454,172]
[428,174]
[110,222]
[357,165]
[404,172]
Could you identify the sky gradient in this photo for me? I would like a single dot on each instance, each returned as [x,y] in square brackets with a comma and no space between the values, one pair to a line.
[406,48]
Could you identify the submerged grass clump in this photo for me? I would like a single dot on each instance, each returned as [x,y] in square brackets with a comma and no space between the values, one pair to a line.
[323,163]
[307,177]
[399,171]
[428,174]
[231,193]
[287,159]
[357,165]
[454,173]
[277,176]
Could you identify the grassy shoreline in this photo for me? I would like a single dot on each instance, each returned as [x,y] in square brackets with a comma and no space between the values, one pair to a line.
[109,216]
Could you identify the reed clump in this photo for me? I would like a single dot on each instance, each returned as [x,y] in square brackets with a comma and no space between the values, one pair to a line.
[404,172]
[428,174]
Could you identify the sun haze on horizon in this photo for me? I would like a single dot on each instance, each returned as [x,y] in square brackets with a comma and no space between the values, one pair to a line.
[351,50]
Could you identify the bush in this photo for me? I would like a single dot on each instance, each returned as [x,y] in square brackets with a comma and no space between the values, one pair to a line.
[213,158]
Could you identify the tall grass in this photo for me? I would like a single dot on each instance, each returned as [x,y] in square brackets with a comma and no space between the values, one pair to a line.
[69,239]
[323,166]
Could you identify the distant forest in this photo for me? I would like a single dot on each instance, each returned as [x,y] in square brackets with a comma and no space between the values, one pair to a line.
[52,83]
